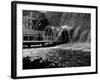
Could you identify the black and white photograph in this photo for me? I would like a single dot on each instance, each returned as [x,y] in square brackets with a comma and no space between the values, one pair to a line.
[56,39]
[53,39]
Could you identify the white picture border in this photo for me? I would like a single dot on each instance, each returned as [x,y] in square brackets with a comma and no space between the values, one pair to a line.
[51,71]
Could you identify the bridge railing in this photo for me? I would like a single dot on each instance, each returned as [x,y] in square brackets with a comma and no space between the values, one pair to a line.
[38,38]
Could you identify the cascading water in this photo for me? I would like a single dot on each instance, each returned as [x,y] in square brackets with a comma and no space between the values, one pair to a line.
[75,34]
[80,23]
[89,37]
[63,35]
[83,36]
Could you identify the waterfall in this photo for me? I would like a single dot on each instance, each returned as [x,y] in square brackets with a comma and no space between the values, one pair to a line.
[83,36]
[63,35]
[89,37]
[80,36]
[76,33]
